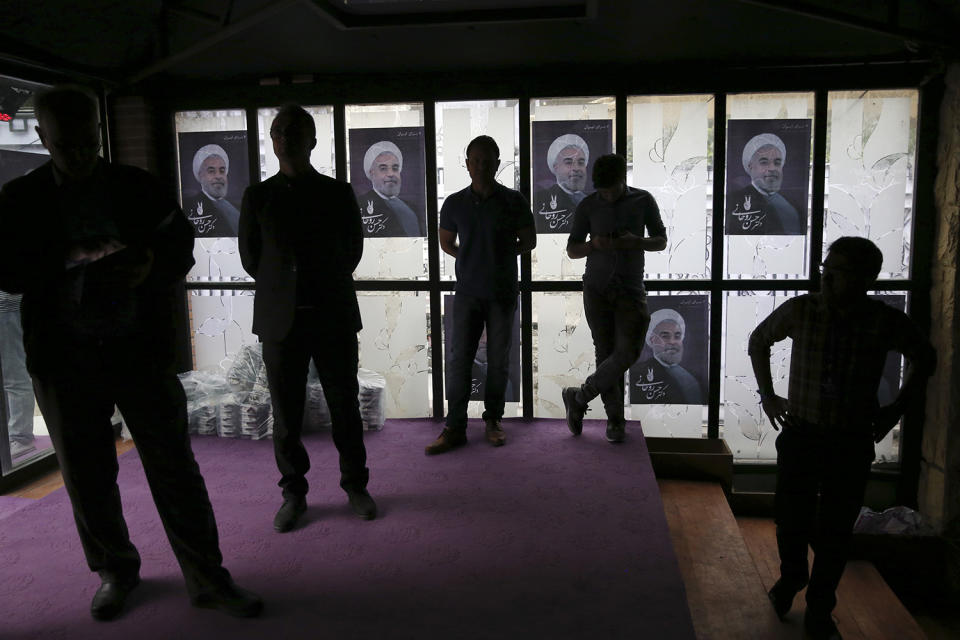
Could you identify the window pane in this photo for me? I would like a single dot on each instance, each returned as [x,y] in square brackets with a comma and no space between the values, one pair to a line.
[767,222]
[670,154]
[457,124]
[870,165]
[323,157]
[566,136]
[214,172]
[385,150]
[393,343]
[220,325]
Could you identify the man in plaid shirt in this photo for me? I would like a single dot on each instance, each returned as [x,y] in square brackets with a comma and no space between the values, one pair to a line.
[831,418]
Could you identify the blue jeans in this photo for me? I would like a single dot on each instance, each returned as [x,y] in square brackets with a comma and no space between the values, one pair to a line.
[470,315]
[16,381]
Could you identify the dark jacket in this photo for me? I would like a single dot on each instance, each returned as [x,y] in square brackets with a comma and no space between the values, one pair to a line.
[297,234]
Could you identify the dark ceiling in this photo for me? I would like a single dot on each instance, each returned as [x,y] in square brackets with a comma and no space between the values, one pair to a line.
[128,41]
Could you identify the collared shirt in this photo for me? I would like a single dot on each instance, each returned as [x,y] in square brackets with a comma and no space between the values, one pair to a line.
[487,233]
[836,362]
[634,211]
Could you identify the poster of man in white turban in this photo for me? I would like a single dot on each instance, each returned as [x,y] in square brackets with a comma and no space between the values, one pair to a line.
[214,172]
[562,158]
[387,174]
[672,368]
[768,170]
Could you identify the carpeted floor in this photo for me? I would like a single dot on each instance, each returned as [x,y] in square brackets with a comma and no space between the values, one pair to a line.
[548,537]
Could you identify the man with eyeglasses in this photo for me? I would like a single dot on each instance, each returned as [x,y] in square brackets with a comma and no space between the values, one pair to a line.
[831,418]
[301,239]
[99,279]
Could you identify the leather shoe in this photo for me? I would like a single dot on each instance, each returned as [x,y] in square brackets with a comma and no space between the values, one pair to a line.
[781,596]
[574,410]
[362,504]
[616,430]
[290,511]
[494,432]
[820,626]
[230,599]
[448,439]
[109,599]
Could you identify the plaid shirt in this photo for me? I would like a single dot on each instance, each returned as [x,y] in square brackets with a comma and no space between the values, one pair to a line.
[9,301]
[836,364]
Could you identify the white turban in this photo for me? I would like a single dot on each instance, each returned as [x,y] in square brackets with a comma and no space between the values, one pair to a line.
[205,152]
[561,143]
[384,146]
[664,315]
[758,142]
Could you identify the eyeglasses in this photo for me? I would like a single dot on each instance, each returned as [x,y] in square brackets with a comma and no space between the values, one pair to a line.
[827,268]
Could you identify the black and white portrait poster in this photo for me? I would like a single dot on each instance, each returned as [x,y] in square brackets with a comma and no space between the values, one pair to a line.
[672,368]
[890,380]
[768,171]
[562,157]
[479,376]
[387,173]
[14,164]
[214,173]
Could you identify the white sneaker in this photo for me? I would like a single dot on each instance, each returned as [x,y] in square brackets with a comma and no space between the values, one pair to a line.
[18,448]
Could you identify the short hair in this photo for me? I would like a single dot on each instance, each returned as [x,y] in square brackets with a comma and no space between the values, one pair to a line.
[664,315]
[485,141]
[862,252]
[377,148]
[609,170]
[66,102]
[205,152]
[297,114]
[561,143]
[759,142]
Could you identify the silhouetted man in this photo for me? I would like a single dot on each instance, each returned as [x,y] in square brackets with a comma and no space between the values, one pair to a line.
[209,211]
[383,213]
[567,158]
[831,417]
[760,208]
[662,379]
[300,239]
[485,227]
[614,298]
[98,280]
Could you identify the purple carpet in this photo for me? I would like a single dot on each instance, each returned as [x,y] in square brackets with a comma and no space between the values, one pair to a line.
[9,505]
[548,537]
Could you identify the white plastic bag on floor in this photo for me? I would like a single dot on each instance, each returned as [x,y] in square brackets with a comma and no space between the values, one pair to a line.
[901,521]
[373,389]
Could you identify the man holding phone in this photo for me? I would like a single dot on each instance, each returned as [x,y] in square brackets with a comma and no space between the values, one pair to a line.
[614,298]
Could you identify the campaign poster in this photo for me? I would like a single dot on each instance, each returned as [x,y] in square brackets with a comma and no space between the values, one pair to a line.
[214,173]
[562,157]
[672,368]
[479,375]
[388,176]
[768,174]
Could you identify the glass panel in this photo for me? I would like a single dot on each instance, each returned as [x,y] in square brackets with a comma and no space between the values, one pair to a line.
[323,157]
[670,154]
[220,324]
[668,383]
[214,172]
[457,124]
[23,433]
[566,136]
[870,166]
[393,343]
[742,422]
[475,407]
[386,167]
[768,185]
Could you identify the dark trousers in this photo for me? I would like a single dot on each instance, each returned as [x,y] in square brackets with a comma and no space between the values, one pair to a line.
[76,398]
[334,352]
[618,323]
[470,316]
[821,478]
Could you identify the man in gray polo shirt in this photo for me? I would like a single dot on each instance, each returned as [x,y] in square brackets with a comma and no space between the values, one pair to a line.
[493,225]
[614,298]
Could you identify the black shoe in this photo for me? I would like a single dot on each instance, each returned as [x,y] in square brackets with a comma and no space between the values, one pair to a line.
[109,599]
[616,430]
[362,504]
[574,409]
[230,599]
[782,595]
[820,626]
[290,511]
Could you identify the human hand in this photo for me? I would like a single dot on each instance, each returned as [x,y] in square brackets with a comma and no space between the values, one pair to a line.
[776,409]
[129,269]
[93,250]
[601,242]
